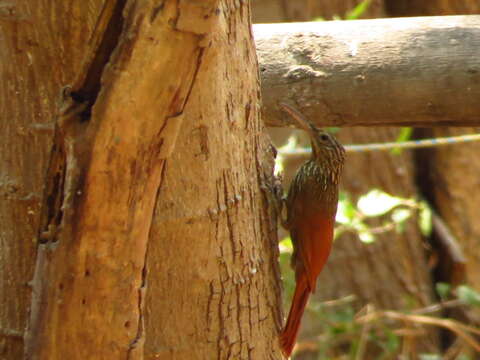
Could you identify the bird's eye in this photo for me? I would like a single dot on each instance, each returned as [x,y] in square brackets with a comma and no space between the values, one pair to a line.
[324,137]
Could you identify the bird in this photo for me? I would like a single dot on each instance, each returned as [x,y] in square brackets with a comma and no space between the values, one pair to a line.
[311,205]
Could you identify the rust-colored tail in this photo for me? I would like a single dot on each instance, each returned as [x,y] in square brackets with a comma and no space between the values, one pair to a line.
[289,333]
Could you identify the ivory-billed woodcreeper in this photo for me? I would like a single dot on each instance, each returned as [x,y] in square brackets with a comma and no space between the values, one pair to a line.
[311,207]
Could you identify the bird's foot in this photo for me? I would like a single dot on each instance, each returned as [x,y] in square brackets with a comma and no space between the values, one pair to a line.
[273,189]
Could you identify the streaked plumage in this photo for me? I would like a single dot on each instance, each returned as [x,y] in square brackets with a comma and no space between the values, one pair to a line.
[311,207]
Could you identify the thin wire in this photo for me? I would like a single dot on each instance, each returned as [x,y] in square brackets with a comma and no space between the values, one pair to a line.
[397,145]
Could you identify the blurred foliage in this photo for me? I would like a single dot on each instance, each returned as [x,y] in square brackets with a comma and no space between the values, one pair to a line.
[392,212]
[404,135]
[353,14]
[358,10]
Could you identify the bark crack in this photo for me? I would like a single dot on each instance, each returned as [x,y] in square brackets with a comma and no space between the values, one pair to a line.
[70,150]
[177,109]
[229,219]
[69,158]
[139,340]
[110,25]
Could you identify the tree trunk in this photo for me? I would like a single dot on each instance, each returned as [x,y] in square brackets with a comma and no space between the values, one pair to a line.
[211,239]
[138,73]
[41,50]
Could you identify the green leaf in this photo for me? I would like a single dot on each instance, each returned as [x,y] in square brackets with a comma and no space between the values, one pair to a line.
[346,210]
[332,129]
[364,233]
[393,342]
[290,145]
[468,295]
[357,11]
[443,289]
[286,245]
[404,135]
[425,219]
[399,218]
[278,169]
[400,215]
[377,202]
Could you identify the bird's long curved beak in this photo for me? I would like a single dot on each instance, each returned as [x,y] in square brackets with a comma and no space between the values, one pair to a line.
[299,118]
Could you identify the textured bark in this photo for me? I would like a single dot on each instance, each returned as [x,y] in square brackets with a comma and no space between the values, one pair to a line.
[415,71]
[89,277]
[213,247]
[100,155]
[41,49]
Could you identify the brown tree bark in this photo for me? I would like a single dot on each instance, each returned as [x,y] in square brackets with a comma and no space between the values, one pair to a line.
[41,50]
[212,239]
[138,73]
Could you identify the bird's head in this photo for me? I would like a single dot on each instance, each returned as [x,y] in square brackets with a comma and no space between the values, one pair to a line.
[325,147]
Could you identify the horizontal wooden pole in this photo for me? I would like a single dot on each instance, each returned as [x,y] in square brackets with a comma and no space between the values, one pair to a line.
[421,71]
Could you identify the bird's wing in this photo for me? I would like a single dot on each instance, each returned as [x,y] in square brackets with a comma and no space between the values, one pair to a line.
[313,241]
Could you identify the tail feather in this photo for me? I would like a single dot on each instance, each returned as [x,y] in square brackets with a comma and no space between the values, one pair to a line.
[289,333]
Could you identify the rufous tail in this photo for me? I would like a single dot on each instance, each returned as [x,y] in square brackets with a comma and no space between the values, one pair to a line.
[290,331]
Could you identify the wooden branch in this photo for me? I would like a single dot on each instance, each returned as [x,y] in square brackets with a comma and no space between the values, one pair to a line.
[406,71]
